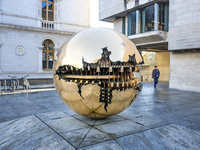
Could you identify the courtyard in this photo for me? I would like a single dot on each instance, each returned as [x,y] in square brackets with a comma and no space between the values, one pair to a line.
[160,118]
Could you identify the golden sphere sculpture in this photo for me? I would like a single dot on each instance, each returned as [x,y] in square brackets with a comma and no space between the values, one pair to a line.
[93,73]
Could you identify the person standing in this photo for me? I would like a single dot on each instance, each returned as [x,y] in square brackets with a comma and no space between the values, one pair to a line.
[155,75]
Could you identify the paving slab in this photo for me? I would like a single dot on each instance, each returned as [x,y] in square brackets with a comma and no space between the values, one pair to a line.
[109,120]
[66,124]
[86,120]
[143,120]
[55,143]
[108,145]
[146,140]
[51,115]
[94,136]
[31,138]
[13,128]
[120,128]
[29,133]
[179,137]
[76,137]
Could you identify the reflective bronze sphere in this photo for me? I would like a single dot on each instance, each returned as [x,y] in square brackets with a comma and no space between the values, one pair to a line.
[93,73]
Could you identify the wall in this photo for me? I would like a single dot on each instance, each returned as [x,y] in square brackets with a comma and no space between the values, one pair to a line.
[185,71]
[23,12]
[108,8]
[162,62]
[146,73]
[31,61]
[69,15]
[118,25]
[184,23]
[74,15]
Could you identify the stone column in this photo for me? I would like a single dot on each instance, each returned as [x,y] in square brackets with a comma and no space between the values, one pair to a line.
[40,58]
[0,10]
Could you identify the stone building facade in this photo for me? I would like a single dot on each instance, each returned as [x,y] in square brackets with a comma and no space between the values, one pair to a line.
[32,31]
[168,27]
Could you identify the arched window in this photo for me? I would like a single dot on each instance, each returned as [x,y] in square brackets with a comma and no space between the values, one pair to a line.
[47,55]
[48,10]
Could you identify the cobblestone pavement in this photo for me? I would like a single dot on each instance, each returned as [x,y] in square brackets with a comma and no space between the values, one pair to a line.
[159,119]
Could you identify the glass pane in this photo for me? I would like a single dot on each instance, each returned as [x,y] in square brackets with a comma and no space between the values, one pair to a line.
[44,17]
[44,44]
[149,18]
[50,6]
[44,4]
[44,64]
[161,17]
[132,23]
[149,58]
[50,57]
[50,15]
[50,0]
[44,56]
[166,16]
[50,64]
[50,46]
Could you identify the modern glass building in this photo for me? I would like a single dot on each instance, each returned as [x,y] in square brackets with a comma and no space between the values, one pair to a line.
[168,28]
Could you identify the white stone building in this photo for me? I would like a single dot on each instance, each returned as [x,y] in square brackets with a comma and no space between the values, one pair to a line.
[32,31]
[171,28]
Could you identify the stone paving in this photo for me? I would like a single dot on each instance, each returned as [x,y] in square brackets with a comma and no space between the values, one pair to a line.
[159,119]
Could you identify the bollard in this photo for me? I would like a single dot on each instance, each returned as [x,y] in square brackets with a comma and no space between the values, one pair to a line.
[17,84]
[13,85]
[5,88]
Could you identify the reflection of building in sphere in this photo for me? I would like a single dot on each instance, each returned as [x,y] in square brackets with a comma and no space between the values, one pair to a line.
[102,88]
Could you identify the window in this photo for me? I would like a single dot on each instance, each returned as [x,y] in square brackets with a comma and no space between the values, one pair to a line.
[47,55]
[48,10]
[150,18]
[132,23]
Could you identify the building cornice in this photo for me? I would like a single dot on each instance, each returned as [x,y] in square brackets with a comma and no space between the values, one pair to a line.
[40,18]
[33,29]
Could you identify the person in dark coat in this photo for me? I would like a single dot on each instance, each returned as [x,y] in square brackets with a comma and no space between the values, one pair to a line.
[155,75]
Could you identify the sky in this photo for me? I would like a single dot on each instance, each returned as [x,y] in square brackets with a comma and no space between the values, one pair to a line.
[94,16]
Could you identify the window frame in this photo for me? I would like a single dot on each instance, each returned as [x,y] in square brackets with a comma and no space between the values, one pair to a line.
[47,10]
[47,51]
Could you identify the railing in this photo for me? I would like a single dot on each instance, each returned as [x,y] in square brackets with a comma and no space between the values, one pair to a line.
[47,24]
[12,84]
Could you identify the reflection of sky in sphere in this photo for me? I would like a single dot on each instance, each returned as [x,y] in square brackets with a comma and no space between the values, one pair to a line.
[89,43]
